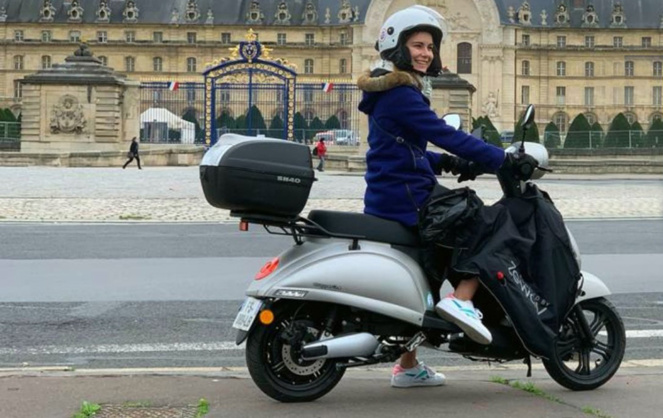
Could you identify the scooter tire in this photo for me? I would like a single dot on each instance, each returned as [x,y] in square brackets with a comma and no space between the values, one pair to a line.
[569,348]
[281,378]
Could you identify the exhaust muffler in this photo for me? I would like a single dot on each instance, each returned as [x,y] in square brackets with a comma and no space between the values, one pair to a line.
[361,344]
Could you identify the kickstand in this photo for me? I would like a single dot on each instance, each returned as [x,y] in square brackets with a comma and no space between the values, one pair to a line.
[528,361]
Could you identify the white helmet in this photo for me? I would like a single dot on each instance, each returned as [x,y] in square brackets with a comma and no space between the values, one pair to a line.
[396,29]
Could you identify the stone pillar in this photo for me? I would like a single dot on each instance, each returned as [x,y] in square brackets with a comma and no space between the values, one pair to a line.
[78,106]
[452,94]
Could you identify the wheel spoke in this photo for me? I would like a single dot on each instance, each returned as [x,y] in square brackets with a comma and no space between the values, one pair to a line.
[565,348]
[603,350]
[583,363]
[597,323]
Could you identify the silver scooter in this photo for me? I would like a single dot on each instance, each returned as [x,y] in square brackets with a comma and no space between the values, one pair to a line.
[350,292]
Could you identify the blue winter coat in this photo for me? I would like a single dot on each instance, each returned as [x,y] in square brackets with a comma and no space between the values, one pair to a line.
[400,175]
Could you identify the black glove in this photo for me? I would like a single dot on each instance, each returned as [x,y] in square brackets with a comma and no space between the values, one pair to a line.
[468,170]
[521,166]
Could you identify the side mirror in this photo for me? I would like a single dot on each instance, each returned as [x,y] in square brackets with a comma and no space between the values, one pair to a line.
[528,118]
[453,119]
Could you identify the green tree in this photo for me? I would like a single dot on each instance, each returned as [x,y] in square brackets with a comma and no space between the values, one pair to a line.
[578,134]
[240,125]
[276,128]
[637,135]
[300,127]
[190,116]
[255,122]
[618,133]
[332,123]
[315,127]
[490,132]
[225,122]
[654,138]
[532,134]
[596,135]
[551,138]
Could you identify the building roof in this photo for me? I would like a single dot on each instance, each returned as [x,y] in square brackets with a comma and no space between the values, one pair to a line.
[639,14]
[224,12]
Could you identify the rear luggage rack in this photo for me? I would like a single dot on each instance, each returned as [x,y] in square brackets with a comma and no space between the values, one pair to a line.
[297,227]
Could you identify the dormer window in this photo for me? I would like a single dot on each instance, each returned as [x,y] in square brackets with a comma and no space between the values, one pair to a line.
[618,19]
[345,14]
[192,12]
[255,15]
[103,12]
[562,17]
[282,15]
[47,12]
[130,12]
[525,14]
[75,12]
[310,15]
[590,19]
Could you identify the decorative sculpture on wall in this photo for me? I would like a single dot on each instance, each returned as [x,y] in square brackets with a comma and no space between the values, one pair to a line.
[590,19]
[130,12]
[618,19]
[562,18]
[490,106]
[255,14]
[47,12]
[327,16]
[210,17]
[192,11]
[67,116]
[3,14]
[525,14]
[103,12]
[75,12]
[511,14]
[310,15]
[282,15]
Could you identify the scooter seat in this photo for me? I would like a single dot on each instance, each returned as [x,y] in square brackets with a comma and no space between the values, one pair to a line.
[368,227]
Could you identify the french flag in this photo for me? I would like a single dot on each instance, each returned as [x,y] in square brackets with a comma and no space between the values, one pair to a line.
[327,87]
[173,85]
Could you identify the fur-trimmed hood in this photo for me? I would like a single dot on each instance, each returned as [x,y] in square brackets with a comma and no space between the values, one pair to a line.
[370,83]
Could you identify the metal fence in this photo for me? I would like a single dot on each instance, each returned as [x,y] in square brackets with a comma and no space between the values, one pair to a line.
[10,136]
[176,115]
[611,139]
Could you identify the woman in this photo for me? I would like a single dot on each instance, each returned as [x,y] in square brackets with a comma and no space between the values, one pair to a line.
[400,174]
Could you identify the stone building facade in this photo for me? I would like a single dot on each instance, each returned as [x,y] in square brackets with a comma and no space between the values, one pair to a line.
[598,57]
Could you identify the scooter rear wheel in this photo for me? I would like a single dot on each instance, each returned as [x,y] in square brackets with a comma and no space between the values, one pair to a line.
[272,357]
[581,365]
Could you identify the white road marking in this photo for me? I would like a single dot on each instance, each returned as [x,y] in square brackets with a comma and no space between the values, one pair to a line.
[209,346]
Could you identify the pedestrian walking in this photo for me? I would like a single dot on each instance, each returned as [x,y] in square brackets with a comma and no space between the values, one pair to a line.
[322,153]
[133,154]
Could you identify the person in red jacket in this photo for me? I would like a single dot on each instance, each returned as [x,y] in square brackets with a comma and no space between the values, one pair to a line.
[322,154]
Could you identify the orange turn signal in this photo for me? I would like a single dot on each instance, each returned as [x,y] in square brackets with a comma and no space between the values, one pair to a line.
[268,268]
[266,317]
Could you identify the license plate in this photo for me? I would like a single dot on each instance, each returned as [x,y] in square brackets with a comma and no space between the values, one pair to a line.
[247,314]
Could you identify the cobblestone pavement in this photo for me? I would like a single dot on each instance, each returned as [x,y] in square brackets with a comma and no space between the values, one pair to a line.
[174,194]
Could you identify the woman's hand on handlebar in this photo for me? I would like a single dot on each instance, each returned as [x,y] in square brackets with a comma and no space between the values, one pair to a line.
[520,165]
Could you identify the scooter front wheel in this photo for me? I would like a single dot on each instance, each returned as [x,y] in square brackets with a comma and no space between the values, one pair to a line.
[578,364]
[274,362]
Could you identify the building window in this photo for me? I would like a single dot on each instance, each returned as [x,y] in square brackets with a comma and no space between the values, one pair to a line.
[308,66]
[628,68]
[646,42]
[524,96]
[191,65]
[308,95]
[343,66]
[225,38]
[658,68]
[589,69]
[561,96]
[130,36]
[157,64]
[561,41]
[102,36]
[589,41]
[18,89]
[281,38]
[628,95]
[343,38]
[104,60]
[526,40]
[46,36]
[561,68]
[190,95]
[129,64]
[561,120]
[157,37]
[74,36]
[18,35]
[464,63]
[309,39]
[46,61]
[525,68]
[657,96]
[631,117]
[191,37]
[589,96]
[617,41]
[18,62]
[224,96]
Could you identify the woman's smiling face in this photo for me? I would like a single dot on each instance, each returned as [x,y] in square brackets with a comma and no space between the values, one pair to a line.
[420,45]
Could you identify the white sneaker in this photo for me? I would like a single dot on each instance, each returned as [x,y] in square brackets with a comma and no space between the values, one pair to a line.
[466,316]
[419,375]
